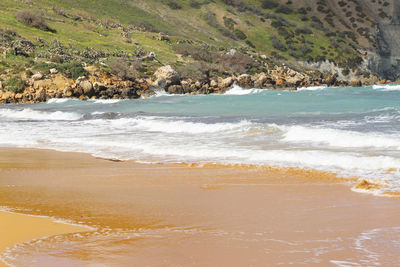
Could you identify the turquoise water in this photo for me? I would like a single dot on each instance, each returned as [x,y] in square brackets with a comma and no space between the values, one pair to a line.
[350,131]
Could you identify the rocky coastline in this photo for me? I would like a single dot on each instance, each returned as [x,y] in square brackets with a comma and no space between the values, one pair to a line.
[99,84]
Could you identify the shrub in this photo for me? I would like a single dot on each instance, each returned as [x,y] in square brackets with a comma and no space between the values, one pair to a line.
[345,72]
[211,20]
[174,5]
[195,3]
[72,69]
[269,4]
[237,62]
[303,30]
[195,71]
[239,34]
[250,44]
[229,23]
[28,18]
[277,44]
[144,26]
[15,85]
[123,69]
[284,9]
[196,52]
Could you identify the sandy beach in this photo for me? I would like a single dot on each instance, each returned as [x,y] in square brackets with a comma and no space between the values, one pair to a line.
[18,228]
[181,215]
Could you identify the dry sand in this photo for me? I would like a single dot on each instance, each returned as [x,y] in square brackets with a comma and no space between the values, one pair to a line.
[178,215]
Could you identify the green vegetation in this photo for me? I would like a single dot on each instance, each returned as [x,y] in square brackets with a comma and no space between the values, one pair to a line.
[15,85]
[66,34]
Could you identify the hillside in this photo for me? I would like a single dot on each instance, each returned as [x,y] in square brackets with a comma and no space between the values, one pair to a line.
[194,36]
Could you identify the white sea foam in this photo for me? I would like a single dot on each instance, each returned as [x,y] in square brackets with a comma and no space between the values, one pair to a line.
[339,138]
[237,90]
[58,100]
[105,101]
[312,88]
[176,126]
[386,87]
[29,114]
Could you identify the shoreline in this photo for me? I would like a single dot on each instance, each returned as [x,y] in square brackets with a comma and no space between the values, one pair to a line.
[254,206]
[17,228]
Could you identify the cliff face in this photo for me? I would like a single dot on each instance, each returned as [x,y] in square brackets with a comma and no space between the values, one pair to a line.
[387,60]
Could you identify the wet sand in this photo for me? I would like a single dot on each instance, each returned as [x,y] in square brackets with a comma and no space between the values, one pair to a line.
[17,228]
[178,215]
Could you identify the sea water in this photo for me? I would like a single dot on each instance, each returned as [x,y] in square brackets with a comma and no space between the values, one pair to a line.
[354,132]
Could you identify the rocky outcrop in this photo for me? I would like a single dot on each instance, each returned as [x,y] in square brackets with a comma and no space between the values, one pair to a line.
[101,85]
[166,76]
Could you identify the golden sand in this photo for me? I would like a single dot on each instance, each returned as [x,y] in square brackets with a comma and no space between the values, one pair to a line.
[200,215]
[18,228]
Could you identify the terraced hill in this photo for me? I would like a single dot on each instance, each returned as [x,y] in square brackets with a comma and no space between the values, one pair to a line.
[191,35]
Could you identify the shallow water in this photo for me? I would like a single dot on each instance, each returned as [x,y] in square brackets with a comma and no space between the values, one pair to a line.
[350,131]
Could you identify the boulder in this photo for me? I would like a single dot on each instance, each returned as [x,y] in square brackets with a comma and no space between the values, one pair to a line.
[78,91]
[213,83]
[280,82]
[244,81]
[260,79]
[53,71]
[38,76]
[87,88]
[330,81]
[225,83]
[145,93]
[68,92]
[41,95]
[175,89]
[356,83]
[99,87]
[6,96]
[166,76]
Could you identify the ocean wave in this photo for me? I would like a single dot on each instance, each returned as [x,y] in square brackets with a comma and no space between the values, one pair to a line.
[312,88]
[29,114]
[105,101]
[237,90]
[168,125]
[58,100]
[386,87]
[339,138]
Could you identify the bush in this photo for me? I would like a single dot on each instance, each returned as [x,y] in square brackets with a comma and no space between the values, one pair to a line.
[195,3]
[284,9]
[239,34]
[211,20]
[237,63]
[72,70]
[269,4]
[196,52]
[144,26]
[28,18]
[124,70]
[229,23]
[195,71]
[345,72]
[174,5]
[15,85]
[250,44]
[303,30]
[277,44]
